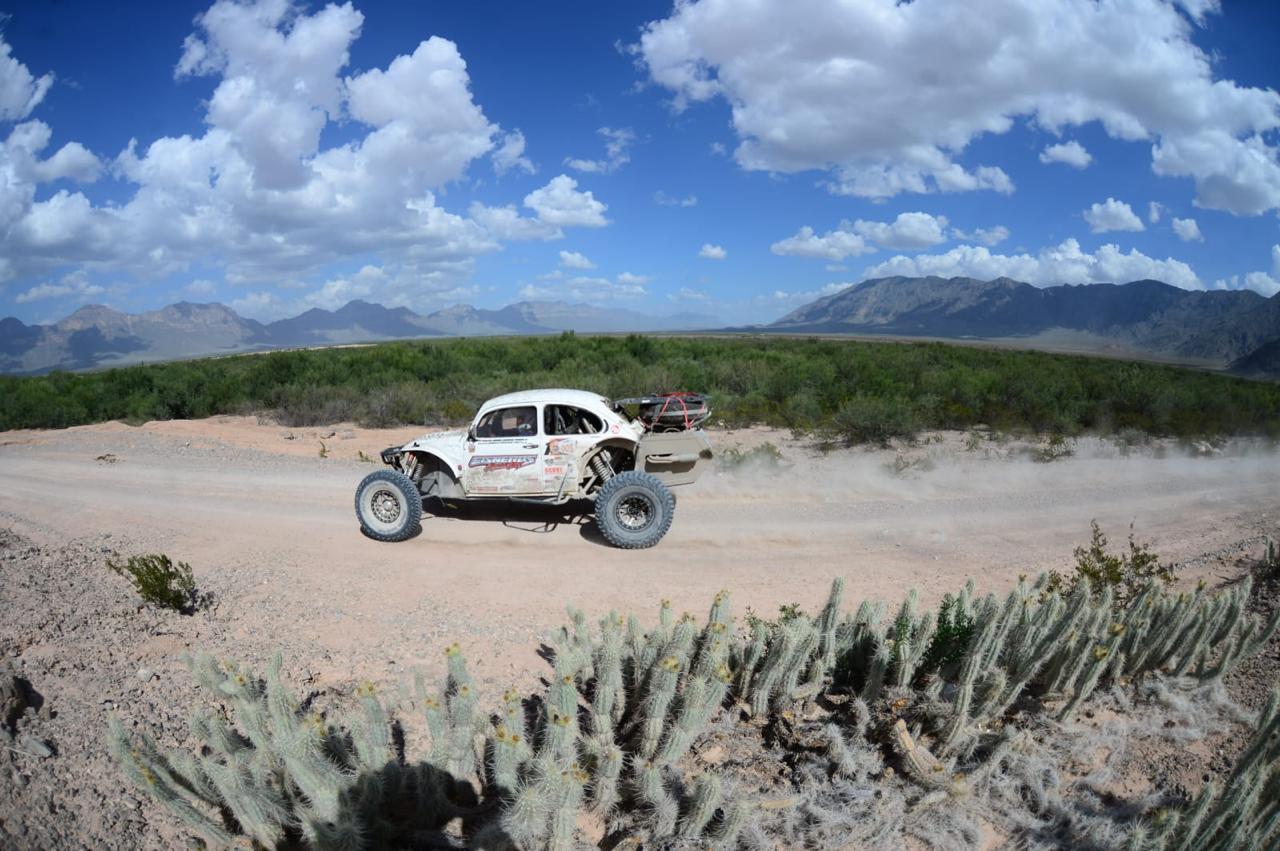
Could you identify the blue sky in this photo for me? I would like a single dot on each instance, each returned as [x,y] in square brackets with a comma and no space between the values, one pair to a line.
[722,157]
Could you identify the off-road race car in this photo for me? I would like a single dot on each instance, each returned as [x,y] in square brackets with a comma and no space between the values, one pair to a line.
[549,447]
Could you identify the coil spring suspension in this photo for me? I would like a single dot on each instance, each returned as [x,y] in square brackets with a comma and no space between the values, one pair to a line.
[601,467]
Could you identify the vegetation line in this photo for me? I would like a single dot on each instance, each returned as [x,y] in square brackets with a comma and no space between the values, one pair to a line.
[858,391]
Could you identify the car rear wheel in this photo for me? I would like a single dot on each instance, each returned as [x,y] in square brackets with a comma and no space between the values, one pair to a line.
[634,510]
[388,506]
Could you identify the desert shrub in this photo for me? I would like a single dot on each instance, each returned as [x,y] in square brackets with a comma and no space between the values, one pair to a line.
[764,456]
[1124,575]
[159,581]
[843,390]
[868,419]
[1054,448]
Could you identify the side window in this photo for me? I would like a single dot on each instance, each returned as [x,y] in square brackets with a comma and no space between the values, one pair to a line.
[509,422]
[566,419]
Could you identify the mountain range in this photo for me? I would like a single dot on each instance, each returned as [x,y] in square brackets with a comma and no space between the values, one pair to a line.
[98,336]
[1239,329]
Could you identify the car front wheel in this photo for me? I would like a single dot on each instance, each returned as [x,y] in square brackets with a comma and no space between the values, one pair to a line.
[388,506]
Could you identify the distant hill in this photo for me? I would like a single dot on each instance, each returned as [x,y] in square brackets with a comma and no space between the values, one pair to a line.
[1147,317]
[97,336]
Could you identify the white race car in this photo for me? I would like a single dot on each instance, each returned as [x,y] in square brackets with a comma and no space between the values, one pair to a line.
[549,447]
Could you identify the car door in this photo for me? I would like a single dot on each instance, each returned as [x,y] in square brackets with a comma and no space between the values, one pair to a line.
[505,456]
[569,432]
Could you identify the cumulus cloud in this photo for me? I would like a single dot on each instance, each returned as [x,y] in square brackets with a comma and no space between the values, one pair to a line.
[886,97]
[257,192]
[1112,215]
[574,260]
[617,143]
[20,90]
[908,230]
[76,283]
[1071,153]
[712,252]
[850,239]
[987,236]
[832,245]
[1066,263]
[1187,230]
[1265,283]
[510,155]
[1154,211]
[560,203]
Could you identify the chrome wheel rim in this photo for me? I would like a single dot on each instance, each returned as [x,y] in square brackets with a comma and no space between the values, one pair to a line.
[634,513]
[385,505]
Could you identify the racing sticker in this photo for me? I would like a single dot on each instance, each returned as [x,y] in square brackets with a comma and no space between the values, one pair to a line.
[502,462]
[553,471]
[562,446]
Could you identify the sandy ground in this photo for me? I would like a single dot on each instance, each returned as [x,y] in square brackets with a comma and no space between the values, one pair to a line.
[268,526]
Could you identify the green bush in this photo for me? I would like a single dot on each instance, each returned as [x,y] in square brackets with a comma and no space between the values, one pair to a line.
[847,391]
[868,419]
[1124,574]
[159,581]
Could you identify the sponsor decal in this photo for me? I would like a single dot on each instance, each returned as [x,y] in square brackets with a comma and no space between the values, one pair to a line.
[502,462]
[615,428]
[553,471]
[562,446]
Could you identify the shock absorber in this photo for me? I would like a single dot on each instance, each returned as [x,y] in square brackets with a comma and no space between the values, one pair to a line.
[601,467]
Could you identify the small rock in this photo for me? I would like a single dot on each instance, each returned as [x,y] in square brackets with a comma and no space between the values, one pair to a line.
[33,746]
[713,755]
[288,435]
[146,675]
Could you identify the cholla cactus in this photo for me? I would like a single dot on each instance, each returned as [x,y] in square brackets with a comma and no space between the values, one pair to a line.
[281,772]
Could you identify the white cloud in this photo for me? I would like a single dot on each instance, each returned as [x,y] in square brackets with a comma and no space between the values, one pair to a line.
[20,90]
[1187,230]
[616,145]
[804,296]
[1062,264]
[987,236]
[833,245]
[1268,284]
[574,260]
[662,199]
[202,287]
[590,289]
[712,252]
[560,203]
[887,96]
[1112,215]
[257,193]
[1154,209]
[908,230]
[1070,153]
[836,267]
[510,154]
[76,283]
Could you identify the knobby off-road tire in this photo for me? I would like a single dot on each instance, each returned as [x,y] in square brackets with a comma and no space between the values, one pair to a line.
[634,510]
[388,506]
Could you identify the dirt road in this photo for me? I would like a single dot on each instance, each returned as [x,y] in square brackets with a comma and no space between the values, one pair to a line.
[268,526]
